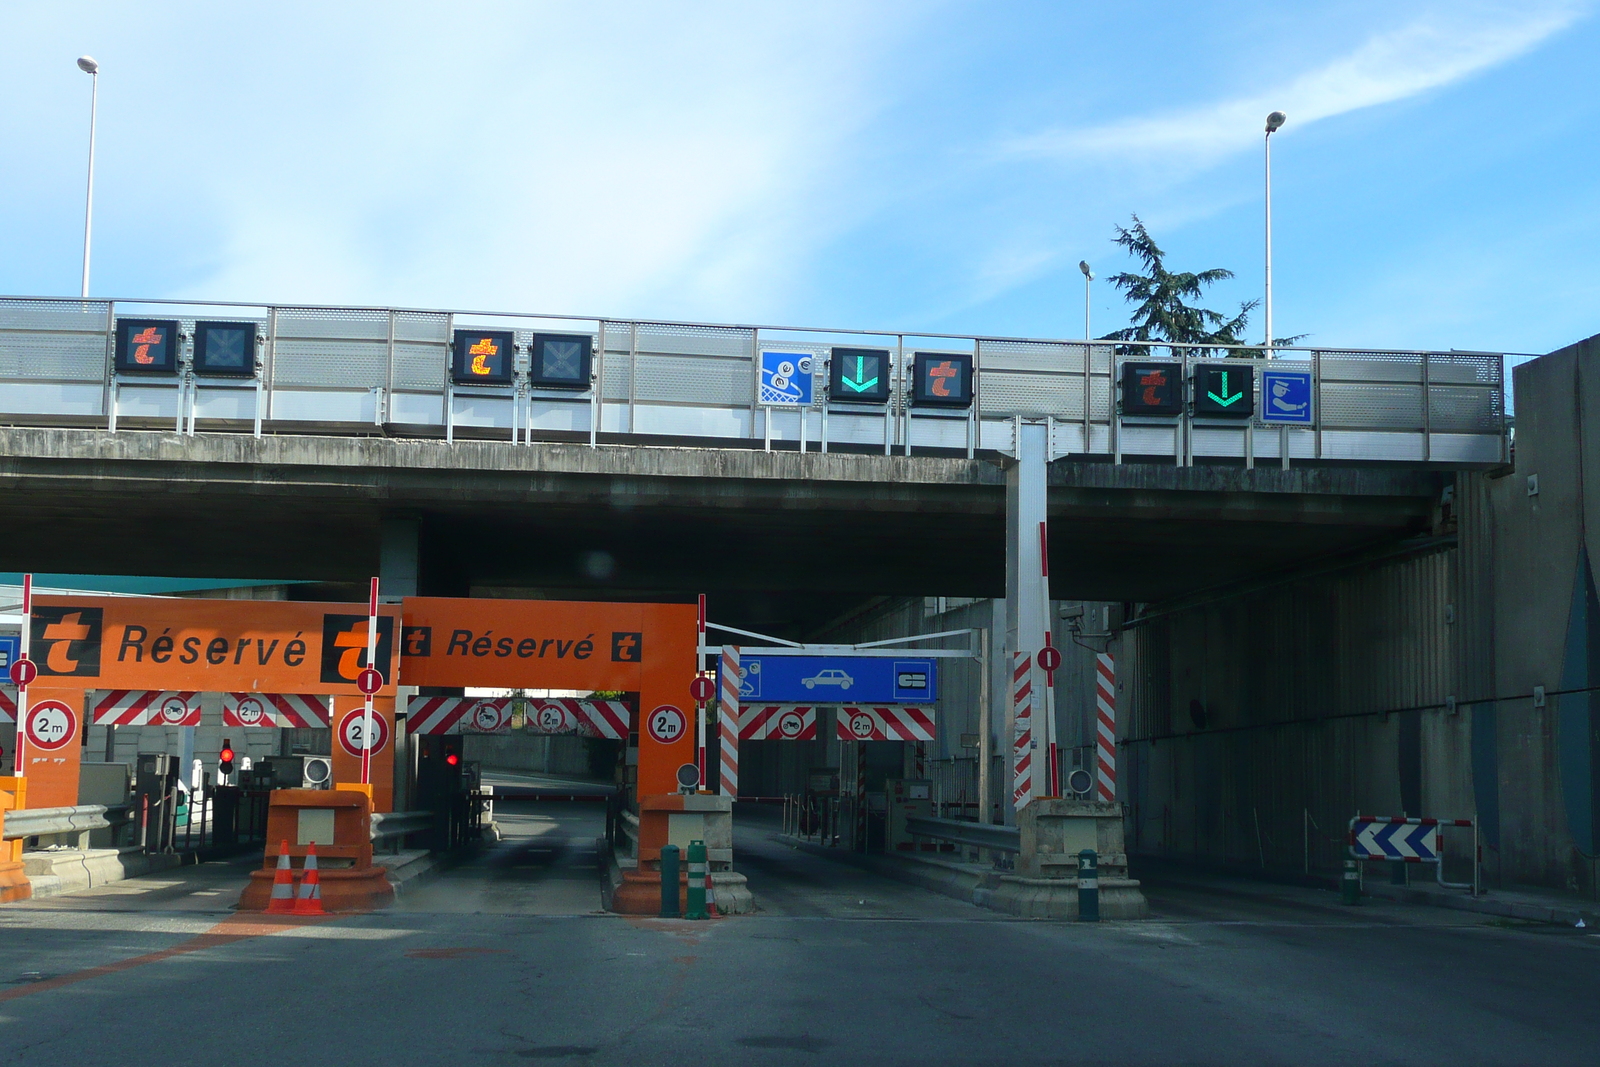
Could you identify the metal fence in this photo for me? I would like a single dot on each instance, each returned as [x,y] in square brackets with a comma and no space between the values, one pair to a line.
[320,370]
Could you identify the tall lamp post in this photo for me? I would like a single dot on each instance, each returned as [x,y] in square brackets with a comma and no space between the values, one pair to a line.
[1275,122]
[91,68]
[1088,276]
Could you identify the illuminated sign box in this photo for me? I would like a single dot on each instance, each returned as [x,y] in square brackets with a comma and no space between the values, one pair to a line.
[225,349]
[147,346]
[1224,392]
[483,357]
[941,380]
[1152,388]
[859,375]
[560,360]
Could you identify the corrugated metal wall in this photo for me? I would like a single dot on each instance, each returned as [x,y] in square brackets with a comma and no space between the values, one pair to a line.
[1250,735]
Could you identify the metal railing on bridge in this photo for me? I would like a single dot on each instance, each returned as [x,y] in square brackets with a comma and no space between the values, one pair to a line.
[321,370]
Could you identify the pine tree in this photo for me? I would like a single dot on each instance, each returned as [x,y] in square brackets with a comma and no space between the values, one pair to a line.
[1160,298]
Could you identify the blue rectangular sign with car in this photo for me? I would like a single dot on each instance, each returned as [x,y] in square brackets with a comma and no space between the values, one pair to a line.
[838,680]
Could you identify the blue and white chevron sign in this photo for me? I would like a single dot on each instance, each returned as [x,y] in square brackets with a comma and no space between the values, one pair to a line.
[1373,838]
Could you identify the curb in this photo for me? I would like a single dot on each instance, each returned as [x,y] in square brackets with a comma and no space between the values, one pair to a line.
[1486,905]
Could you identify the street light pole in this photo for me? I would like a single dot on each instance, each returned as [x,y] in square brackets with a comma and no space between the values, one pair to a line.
[1274,122]
[91,68]
[1088,276]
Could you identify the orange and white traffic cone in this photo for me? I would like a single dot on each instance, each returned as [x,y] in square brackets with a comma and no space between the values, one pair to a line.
[309,900]
[282,901]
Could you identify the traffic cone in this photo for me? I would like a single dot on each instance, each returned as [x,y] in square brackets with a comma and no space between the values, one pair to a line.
[309,900]
[282,901]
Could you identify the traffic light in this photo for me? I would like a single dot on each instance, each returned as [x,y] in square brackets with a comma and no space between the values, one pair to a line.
[453,758]
[1224,392]
[1152,389]
[859,375]
[225,349]
[483,357]
[225,758]
[941,379]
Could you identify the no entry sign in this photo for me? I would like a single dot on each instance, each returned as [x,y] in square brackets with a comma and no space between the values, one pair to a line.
[23,672]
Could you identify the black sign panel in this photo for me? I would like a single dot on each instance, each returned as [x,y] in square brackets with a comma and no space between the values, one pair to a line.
[560,360]
[1224,392]
[225,349]
[859,375]
[942,380]
[344,648]
[147,346]
[1152,388]
[483,357]
[66,641]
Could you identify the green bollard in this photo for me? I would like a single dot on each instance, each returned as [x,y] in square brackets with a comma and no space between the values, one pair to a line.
[1350,885]
[669,881]
[697,881]
[1088,886]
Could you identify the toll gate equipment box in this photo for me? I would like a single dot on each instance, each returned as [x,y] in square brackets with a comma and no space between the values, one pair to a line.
[339,821]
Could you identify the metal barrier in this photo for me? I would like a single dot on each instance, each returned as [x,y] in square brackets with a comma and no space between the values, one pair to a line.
[44,822]
[397,824]
[320,370]
[975,834]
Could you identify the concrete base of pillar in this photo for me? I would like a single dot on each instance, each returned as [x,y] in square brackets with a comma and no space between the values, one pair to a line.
[1057,898]
[349,889]
[732,893]
[14,884]
[52,871]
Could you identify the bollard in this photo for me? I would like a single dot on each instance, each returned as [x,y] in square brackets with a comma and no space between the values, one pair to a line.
[669,881]
[1088,886]
[697,881]
[1350,885]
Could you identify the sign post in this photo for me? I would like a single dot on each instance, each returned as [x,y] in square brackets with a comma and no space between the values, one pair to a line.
[369,684]
[701,694]
[1049,662]
[22,672]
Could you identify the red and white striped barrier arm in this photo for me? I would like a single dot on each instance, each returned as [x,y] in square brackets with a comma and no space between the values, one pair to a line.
[1105,713]
[728,721]
[298,711]
[897,723]
[1021,729]
[146,707]
[777,722]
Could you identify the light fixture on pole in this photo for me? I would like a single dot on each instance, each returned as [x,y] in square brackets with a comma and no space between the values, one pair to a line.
[91,68]
[1088,276]
[1275,122]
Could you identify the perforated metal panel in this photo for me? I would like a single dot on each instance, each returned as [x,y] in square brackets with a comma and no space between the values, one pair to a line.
[339,364]
[692,380]
[694,340]
[53,341]
[333,324]
[418,365]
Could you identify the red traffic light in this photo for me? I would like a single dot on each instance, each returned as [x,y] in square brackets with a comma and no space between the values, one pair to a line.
[452,759]
[226,755]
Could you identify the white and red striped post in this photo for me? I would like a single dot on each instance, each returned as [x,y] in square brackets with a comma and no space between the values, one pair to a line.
[1021,729]
[372,661]
[728,721]
[22,690]
[1105,700]
[700,706]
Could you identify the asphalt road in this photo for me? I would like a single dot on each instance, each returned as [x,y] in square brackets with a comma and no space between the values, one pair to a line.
[506,959]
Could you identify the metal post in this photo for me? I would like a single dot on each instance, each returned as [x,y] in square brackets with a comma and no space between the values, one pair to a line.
[1088,886]
[669,881]
[597,399]
[93,71]
[1350,884]
[984,725]
[697,881]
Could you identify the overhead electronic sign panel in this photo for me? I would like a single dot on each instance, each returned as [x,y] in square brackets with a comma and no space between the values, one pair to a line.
[225,349]
[859,375]
[560,360]
[1224,392]
[483,357]
[941,380]
[1152,389]
[147,346]
[838,680]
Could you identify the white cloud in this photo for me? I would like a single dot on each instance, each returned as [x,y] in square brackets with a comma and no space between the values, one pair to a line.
[1451,42]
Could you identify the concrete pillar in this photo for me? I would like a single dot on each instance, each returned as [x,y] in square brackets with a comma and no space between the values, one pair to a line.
[399,557]
[1027,593]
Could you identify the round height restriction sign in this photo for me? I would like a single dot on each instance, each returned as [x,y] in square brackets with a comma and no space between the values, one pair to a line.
[51,725]
[352,732]
[666,724]
[552,718]
[861,726]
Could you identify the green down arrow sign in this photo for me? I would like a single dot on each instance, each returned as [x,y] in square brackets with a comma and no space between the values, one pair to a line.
[1225,400]
[858,383]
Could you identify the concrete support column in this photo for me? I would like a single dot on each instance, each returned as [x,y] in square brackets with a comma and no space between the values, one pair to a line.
[400,557]
[1027,596]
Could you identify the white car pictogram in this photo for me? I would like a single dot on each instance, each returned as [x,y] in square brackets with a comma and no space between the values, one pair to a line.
[832,676]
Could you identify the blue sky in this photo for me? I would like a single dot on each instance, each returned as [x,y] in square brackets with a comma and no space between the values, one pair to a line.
[936,166]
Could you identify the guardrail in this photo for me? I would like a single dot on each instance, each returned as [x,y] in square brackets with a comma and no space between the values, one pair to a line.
[320,370]
[44,822]
[975,834]
[388,824]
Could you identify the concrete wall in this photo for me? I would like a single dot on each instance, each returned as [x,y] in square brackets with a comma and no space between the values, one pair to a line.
[521,751]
